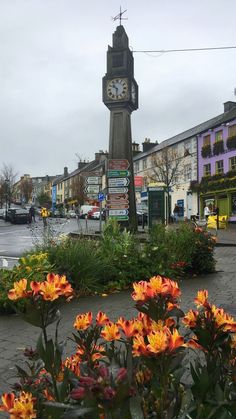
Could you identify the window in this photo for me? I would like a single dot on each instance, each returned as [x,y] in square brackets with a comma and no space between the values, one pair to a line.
[219,136]
[144,164]
[232,163]
[136,167]
[206,140]
[206,169]
[219,166]
[232,130]
[187,148]
[187,172]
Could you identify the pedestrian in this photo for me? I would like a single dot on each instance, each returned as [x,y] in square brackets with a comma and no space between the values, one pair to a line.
[207,212]
[44,215]
[32,214]
[176,212]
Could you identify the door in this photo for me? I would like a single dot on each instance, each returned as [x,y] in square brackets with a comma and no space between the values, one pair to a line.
[189,205]
[223,206]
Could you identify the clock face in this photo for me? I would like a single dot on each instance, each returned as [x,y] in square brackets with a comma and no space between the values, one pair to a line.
[117,89]
[133,93]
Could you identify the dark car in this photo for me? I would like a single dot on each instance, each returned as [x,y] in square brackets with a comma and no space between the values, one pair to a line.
[18,216]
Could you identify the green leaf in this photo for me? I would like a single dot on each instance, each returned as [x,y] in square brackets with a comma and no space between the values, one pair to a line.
[136,408]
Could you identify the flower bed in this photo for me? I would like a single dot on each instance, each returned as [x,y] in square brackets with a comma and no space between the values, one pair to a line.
[128,368]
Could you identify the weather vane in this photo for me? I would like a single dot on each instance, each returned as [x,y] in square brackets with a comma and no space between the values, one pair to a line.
[119,16]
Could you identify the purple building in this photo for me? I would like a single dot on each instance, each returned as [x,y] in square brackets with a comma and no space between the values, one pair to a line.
[217,163]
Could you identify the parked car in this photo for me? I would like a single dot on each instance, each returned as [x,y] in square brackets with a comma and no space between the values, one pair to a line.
[18,216]
[2,213]
[85,209]
[58,213]
[95,215]
[71,214]
[93,209]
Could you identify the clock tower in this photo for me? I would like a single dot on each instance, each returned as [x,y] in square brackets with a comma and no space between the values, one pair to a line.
[120,95]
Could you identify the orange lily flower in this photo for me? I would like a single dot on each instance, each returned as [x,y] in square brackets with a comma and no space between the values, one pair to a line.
[23,407]
[102,318]
[7,401]
[49,291]
[139,346]
[171,287]
[35,286]
[190,318]
[175,340]
[110,332]
[224,319]
[19,290]
[127,326]
[142,291]
[201,298]
[158,341]
[156,284]
[83,321]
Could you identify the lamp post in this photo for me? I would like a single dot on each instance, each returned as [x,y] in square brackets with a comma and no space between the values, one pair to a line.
[6,195]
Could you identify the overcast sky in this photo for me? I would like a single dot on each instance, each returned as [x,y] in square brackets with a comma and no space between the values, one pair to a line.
[53,58]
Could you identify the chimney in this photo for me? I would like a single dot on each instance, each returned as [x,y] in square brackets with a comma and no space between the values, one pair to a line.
[147,145]
[65,171]
[228,106]
[101,156]
[82,164]
[135,148]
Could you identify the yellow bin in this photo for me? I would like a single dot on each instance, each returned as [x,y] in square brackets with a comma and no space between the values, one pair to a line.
[211,222]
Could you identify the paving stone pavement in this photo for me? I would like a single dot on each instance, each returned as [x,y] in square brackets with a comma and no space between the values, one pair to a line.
[15,334]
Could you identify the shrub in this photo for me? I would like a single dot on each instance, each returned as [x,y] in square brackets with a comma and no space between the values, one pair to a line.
[231,142]
[81,262]
[218,147]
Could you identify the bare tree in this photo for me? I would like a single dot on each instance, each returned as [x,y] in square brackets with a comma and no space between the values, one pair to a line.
[26,189]
[78,189]
[7,182]
[166,168]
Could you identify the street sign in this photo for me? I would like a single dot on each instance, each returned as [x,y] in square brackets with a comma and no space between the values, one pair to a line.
[118,212]
[92,189]
[117,190]
[118,181]
[115,205]
[118,164]
[118,173]
[138,181]
[120,217]
[101,197]
[94,180]
[117,197]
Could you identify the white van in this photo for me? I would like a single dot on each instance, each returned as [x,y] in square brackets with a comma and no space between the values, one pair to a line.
[84,209]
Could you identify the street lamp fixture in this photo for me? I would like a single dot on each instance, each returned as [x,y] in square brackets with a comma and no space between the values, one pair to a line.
[6,182]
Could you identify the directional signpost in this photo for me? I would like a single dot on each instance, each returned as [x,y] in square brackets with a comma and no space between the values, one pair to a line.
[118,173]
[118,164]
[118,189]
[116,181]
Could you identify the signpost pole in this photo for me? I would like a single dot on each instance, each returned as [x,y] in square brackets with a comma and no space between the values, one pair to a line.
[100,218]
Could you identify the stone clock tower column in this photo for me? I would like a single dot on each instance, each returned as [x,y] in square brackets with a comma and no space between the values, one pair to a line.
[120,95]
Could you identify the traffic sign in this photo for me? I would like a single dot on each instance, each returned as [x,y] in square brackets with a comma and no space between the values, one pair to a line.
[118,212]
[120,217]
[118,181]
[117,190]
[92,189]
[117,197]
[93,180]
[118,164]
[101,197]
[115,205]
[118,173]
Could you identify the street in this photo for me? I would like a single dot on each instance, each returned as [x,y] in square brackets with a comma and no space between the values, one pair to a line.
[15,239]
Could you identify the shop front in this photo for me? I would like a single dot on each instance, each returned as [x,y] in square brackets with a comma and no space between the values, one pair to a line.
[225,200]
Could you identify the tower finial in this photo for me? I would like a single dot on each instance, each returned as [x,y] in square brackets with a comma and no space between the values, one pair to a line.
[119,16]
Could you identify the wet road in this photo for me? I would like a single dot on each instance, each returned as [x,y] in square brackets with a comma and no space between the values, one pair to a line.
[16,239]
